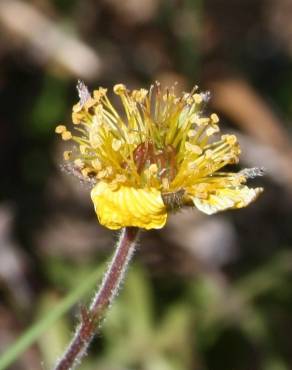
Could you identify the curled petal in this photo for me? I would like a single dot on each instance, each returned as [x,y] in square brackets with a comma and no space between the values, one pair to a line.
[128,206]
[227,198]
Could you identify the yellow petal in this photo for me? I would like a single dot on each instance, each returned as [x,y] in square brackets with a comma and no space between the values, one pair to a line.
[128,206]
[226,198]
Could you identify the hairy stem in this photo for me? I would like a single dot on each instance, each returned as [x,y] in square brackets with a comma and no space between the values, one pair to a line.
[91,317]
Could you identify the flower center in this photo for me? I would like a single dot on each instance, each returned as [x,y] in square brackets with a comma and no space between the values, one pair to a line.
[165,159]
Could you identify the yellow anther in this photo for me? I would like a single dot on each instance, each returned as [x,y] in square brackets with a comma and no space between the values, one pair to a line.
[197,98]
[67,154]
[116,144]
[99,113]
[79,163]
[77,108]
[192,133]
[89,103]
[133,138]
[139,95]
[102,174]
[240,179]
[214,118]
[86,171]
[194,118]
[98,94]
[60,129]
[190,100]
[212,130]
[203,121]
[76,118]
[153,169]
[230,139]
[66,135]
[120,89]
[165,183]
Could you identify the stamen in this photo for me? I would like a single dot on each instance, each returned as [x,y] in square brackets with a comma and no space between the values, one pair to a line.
[79,163]
[96,164]
[165,183]
[66,135]
[229,139]
[203,121]
[86,171]
[198,98]
[99,94]
[67,155]
[212,130]
[214,118]
[192,133]
[153,169]
[120,89]
[60,129]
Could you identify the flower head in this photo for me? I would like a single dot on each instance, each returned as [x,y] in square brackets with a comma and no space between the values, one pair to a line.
[158,155]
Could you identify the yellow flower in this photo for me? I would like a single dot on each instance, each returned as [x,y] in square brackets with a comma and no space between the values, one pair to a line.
[158,155]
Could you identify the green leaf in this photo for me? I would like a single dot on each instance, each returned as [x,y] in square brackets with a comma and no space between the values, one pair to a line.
[40,327]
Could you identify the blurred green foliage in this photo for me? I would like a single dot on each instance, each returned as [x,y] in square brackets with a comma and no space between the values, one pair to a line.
[212,325]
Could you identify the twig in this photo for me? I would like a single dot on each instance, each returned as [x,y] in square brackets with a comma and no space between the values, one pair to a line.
[91,317]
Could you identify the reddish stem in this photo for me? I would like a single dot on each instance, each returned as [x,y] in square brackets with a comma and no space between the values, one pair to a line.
[91,317]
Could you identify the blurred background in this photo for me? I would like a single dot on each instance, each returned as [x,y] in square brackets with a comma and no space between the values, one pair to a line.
[206,293]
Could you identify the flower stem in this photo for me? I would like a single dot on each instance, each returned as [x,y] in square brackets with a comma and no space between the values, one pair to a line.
[91,317]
